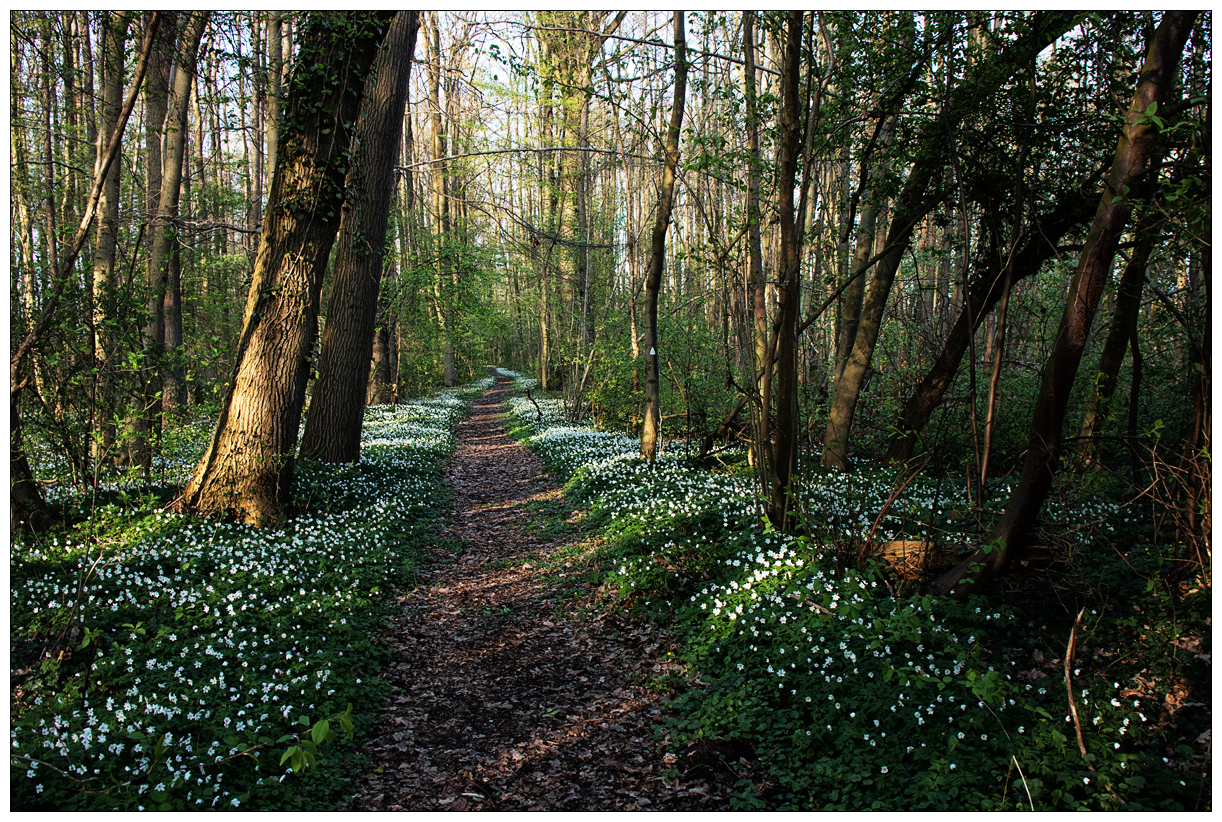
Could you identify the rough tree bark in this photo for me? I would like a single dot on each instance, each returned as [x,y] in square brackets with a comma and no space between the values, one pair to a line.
[657,255]
[333,424]
[1129,165]
[248,466]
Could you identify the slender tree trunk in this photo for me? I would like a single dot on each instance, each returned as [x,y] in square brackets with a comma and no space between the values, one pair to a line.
[333,424]
[174,388]
[583,228]
[1129,165]
[756,289]
[657,255]
[164,232]
[441,203]
[549,194]
[383,380]
[275,70]
[1123,328]
[114,39]
[248,466]
[784,462]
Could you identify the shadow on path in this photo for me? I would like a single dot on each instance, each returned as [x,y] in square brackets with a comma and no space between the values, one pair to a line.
[503,696]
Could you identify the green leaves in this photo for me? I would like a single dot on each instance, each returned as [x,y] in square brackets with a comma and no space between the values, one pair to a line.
[305,754]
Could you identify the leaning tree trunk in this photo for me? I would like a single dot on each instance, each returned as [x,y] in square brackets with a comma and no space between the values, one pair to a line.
[1136,144]
[657,254]
[248,466]
[333,425]
[1040,245]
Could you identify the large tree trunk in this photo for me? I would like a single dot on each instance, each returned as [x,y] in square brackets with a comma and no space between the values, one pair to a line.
[1040,245]
[1094,268]
[248,466]
[333,425]
[657,255]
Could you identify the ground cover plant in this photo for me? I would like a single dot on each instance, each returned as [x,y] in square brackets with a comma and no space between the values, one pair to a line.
[826,682]
[163,662]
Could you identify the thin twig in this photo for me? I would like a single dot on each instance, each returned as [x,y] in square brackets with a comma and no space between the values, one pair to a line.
[1073,708]
[1025,786]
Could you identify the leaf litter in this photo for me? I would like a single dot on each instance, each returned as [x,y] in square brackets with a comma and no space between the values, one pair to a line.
[510,688]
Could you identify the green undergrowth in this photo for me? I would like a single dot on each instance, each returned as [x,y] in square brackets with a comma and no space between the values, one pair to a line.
[166,662]
[823,682]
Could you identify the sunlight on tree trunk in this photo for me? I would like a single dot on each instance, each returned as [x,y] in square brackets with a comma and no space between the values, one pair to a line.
[333,424]
[651,429]
[247,469]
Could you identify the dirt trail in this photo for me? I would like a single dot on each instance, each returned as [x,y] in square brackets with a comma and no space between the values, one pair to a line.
[505,697]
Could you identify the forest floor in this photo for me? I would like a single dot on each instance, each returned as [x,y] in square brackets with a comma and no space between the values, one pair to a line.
[508,691]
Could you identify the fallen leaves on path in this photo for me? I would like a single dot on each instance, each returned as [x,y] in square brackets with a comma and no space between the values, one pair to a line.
[505,696]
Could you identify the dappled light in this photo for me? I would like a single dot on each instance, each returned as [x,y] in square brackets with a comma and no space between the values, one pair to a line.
[628,410]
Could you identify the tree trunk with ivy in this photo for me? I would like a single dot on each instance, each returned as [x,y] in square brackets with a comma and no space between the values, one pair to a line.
[333,425]
[247,468]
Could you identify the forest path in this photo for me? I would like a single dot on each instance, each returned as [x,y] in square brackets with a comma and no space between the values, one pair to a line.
[504,697]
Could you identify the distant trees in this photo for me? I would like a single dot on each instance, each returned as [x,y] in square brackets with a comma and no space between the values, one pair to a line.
[26,502]
[869,223]
[1130,164]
